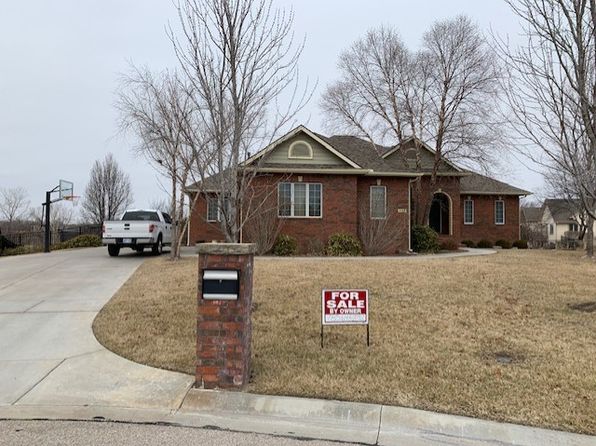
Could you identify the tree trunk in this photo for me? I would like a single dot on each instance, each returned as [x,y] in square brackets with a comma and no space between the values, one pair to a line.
[590,238]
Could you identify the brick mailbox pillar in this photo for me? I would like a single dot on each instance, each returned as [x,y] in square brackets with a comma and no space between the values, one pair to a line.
[224,326]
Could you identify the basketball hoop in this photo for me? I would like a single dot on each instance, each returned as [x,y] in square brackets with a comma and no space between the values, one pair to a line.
[74,199]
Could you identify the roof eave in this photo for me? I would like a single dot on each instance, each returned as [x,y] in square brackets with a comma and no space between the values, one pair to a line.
[511,193]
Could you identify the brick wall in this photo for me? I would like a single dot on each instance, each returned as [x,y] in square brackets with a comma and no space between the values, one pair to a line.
[344,196]
[224,327]
[397,225]
[200,229]
[339,214]
[339,196]
[484,226]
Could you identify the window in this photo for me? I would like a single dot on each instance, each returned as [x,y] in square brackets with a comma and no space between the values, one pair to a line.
[499,212]
[299,199]
[551,229]
[573,227]
[468,212]
[167,218]
[214,212]
[300,150]
[140,216]
[378,202]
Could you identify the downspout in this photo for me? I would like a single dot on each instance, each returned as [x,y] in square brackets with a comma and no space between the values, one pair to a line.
[189,222]
[410,214]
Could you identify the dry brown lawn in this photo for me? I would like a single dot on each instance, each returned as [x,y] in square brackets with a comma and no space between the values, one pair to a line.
[495,337]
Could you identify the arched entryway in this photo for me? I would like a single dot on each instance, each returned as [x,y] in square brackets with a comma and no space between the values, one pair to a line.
[440,213]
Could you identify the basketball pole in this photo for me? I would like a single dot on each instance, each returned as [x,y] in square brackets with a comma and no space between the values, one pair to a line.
[46,239]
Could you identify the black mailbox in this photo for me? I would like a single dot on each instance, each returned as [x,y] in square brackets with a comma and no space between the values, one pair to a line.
[220,284]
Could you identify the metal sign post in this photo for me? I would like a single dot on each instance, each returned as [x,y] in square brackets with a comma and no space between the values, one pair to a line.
[344,307]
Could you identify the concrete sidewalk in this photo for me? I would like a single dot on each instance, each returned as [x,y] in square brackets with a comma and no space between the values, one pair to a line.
[191,251]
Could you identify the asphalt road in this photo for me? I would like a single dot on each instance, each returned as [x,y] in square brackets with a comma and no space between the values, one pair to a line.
[67,433]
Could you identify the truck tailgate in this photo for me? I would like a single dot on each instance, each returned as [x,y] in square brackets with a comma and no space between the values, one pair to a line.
[127,229]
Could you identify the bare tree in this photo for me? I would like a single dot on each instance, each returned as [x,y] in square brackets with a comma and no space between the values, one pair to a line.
[443,95]
[160,111]
[239,58]
[61,215]
[13,204]
[551,92]
[380,235]
[108,192]
[161,204]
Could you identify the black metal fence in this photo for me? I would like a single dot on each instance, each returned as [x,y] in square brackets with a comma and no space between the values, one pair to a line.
[34,239]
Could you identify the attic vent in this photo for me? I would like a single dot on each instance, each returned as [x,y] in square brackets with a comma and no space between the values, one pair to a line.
[300,150]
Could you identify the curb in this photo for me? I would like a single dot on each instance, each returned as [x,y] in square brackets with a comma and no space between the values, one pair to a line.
[305,418]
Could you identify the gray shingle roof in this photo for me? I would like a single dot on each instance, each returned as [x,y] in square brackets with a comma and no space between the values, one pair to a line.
[561,209]
[370,157]
[531,214]
[362,152]
[481,184]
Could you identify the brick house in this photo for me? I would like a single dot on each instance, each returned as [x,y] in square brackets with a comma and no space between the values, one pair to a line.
[323,185]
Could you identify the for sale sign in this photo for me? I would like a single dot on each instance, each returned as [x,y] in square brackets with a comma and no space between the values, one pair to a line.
[345,307]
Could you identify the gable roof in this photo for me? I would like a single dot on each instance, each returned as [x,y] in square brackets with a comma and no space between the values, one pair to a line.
[292,133]
[410,142]
[561,210]
[531,214]
[476,184]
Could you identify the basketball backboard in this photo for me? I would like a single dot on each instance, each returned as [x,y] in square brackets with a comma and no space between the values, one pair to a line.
[65,189]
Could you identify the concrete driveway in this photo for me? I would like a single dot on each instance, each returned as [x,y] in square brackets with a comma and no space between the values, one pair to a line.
[48,354]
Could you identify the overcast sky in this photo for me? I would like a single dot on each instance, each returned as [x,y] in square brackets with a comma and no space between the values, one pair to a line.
[61,60]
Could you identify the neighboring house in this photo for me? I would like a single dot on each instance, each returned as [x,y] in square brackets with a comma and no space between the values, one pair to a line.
[562,220]
[326,185]
[532,228]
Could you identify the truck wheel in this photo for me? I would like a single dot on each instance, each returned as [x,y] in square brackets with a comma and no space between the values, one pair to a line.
[113,250]
[157,249]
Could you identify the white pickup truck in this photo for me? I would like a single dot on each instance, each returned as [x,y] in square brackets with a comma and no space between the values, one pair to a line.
[138,229]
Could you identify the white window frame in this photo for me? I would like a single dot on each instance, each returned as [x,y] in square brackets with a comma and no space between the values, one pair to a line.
[295,157]
[503,222]
[292,200]
[216,198]
[472,202]
[370,193]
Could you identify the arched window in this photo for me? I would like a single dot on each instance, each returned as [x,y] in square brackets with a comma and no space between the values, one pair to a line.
[300,150]
[440,214]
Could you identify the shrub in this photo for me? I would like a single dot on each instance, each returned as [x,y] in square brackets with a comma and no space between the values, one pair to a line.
[468,243]
[520,244]
[424,239]
[343,245]
[449,245]
[20,250]
[80,241]
[504,244]
[484,244]
[285,245]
